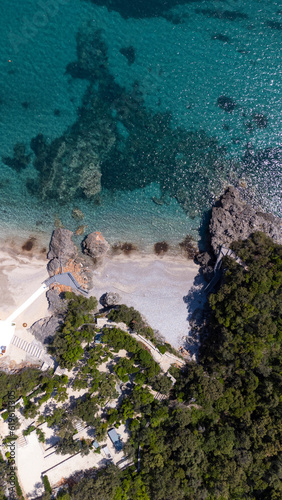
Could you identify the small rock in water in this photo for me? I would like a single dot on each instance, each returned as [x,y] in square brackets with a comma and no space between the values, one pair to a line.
[58,223]
[77,214]
[226,103]
[158,201]
[80,230]
[276,25]
[161,247]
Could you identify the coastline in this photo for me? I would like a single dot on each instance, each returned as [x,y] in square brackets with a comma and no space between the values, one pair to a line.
[154,285]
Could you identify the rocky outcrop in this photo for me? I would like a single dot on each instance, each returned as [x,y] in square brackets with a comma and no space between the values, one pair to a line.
[233,219]
[95,246]
[110,299]
[206,260]
[57,305]
[61,246]
[53,267]
[45,329]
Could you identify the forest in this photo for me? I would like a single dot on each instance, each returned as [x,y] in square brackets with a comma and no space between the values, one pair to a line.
[217,433]
[218,436]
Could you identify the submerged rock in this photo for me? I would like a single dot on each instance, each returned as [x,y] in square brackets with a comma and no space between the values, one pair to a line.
[220,37]
[68,167]
[233,219]
[77,214]
[61,245]
[161,247]
[95,245]
[80,230]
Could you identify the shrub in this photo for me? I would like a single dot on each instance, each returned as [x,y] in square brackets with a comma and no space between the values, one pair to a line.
[41,435]
[47,485]
[162,348]
[18,488]
[29,430]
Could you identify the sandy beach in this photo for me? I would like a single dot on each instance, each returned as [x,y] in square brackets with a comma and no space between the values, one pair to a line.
[155,286]
[21,274]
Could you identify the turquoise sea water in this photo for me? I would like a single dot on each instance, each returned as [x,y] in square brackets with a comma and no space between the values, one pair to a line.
[137,113]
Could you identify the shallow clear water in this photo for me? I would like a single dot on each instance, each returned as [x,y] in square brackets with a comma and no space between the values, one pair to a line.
[126,97]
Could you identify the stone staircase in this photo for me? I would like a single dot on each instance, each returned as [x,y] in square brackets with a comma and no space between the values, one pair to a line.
[22,441]
[79,426]
[34,350]
[29,348]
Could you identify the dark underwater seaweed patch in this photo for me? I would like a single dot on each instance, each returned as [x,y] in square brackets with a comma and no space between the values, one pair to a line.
[129,54]
[188,245]
[226,103]
[260,120]
[127,248]
[29,244]
[141,8]
[20,160]
[275,25]
[128,144]
[161,247]
[228,15]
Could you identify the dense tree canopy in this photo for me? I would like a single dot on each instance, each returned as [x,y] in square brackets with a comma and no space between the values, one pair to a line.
[219,434]
[216,435]
[78,327]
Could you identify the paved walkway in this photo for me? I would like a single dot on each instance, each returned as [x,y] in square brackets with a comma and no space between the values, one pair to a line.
[27,303]
[66,279]
[164,360]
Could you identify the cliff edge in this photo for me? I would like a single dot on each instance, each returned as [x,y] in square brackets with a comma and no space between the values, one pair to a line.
[233,219]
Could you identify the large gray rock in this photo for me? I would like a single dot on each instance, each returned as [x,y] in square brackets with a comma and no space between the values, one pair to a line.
[233,219]
[57,305]
[61,245]
[53,267]
[95,245]
[44,329]
[110,299]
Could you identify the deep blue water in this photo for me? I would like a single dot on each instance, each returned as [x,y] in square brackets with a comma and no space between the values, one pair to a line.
[137,113]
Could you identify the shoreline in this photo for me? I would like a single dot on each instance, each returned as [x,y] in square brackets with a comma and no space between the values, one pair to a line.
[37,242]
[154,285]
